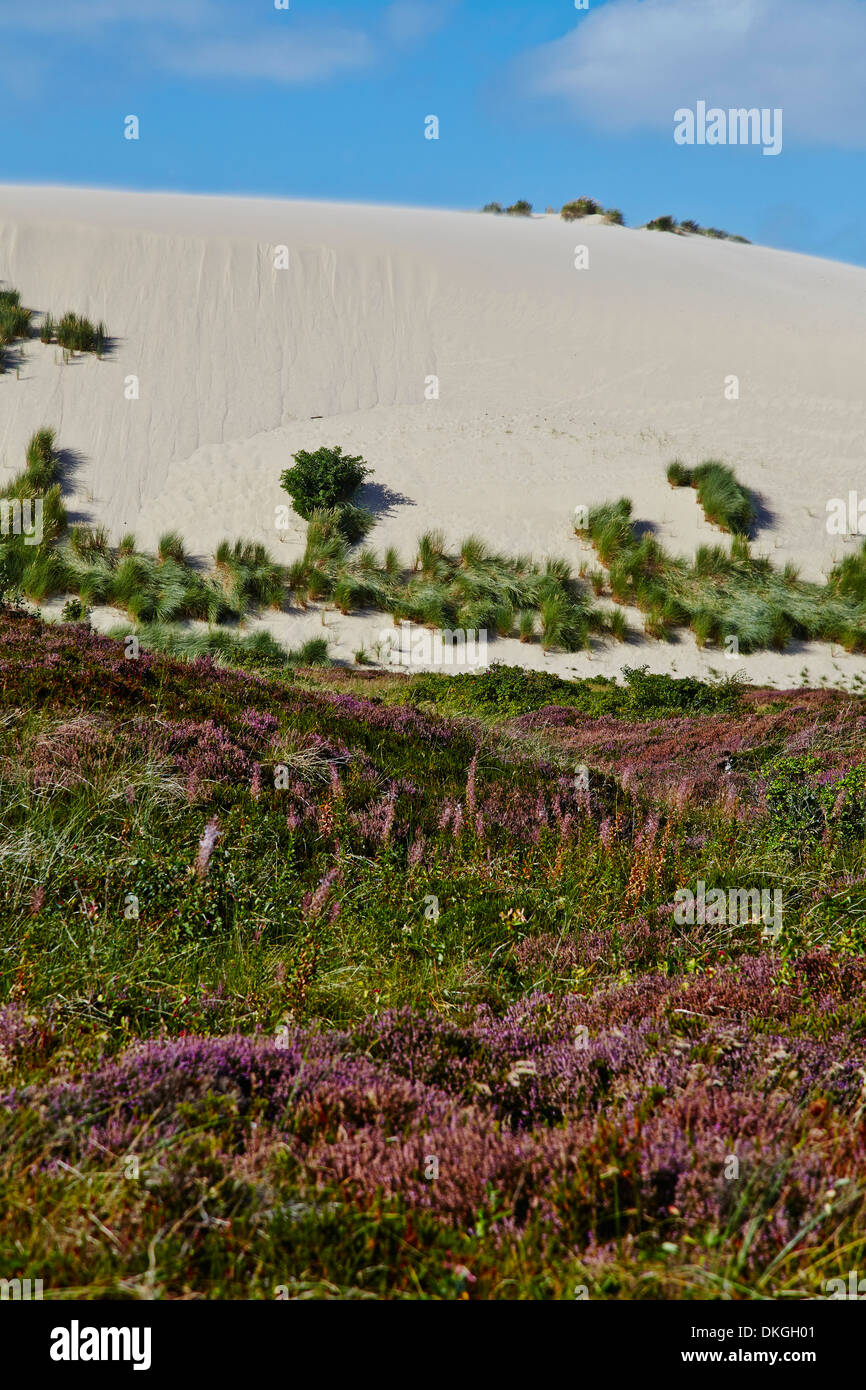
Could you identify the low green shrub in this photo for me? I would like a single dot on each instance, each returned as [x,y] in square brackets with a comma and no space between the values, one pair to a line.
[323,480]
[805,803]
[510,690]
[74,611]
[715,233]
[580,207]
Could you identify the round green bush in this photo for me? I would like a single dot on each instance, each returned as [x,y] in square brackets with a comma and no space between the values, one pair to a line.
[322,480]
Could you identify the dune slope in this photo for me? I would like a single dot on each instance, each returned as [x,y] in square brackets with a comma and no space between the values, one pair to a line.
[556,386]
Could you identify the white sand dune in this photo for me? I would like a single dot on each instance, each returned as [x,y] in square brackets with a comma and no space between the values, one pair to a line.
[557,386]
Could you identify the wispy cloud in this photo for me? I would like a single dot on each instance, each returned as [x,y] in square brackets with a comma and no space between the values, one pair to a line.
[295,58]
[412,21]
[217,39]
[89,17]
[630,63]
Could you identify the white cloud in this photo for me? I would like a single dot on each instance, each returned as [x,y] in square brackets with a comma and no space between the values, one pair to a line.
[631,63]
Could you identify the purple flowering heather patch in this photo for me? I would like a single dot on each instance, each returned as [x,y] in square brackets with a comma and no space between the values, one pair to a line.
[261,725]
[393,719]
[570,1109]
[21,1035]
[683,761]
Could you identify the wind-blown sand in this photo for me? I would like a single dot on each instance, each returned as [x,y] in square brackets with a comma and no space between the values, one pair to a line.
[557,386]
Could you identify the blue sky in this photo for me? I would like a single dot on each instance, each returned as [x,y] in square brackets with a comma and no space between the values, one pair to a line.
[535,100]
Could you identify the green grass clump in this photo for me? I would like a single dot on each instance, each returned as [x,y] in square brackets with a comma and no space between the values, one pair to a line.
[168,586]
[609,527]
[250,576]
[678,474]
[77,334]
[14,322]
[695,229]
[157,588]
[14,317]
[170,546]
[472,589]
[252,651]
[848,577]
[72,331]
[725,502]
[30,564]
[43,464]
[670,224]
[562,627]
[724,594]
